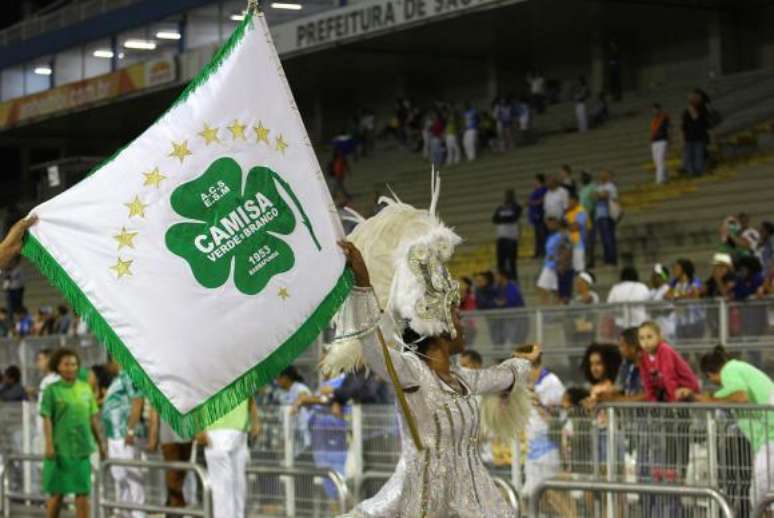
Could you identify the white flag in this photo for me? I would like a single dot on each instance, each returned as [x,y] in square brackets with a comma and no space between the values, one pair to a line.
[204,254]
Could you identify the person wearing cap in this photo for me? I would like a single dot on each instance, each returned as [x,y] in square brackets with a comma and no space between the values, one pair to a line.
[584,294]
[723,279]
[659,281]
[664,316]
[581,326]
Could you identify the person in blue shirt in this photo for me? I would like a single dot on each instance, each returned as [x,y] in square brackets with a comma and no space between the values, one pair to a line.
[508,295]
[536,215]
[485,291]
[470,133]
[548,282]
[23,322]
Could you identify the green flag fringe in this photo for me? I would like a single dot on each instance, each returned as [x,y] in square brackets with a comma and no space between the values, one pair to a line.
[244,387]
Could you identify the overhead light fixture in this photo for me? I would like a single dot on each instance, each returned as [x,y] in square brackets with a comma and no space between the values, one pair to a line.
[288,7]
[103,53]
[168,35]
[43,71]
[237,17]
[140,44]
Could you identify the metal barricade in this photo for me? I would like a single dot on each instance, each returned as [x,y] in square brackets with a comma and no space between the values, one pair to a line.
[763,506]
[695,444]
[687,444]
[628,488]
[102,502]
[380,438]
[307,442]
[319,477]
[509,493]
[16,491]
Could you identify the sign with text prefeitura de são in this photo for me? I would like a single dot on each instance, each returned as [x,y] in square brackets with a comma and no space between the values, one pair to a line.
[369,18]
[203,254]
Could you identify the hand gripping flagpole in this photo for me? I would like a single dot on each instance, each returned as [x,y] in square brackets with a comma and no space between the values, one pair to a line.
[253,6]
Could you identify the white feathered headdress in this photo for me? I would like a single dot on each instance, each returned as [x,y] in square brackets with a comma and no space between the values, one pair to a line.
[405,250]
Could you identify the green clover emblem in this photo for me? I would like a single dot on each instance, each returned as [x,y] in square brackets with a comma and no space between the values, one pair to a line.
[234,228]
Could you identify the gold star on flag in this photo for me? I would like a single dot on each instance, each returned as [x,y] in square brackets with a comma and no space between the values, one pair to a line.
[180,151]
[122,268]
[283,294]
[261,133]
[237,130]
[125,238]
[154,178]
[136,207]
[281,144]
[209,135]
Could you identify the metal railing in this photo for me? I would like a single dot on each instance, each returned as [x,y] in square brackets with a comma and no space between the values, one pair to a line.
[763,506]
[626,488]
[60,18]
[509,493]
[102,502]
[25,494]
[569,329]
[288,474]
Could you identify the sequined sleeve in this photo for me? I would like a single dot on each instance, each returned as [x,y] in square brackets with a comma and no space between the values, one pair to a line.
[360,318]
[405,363]
[510,373]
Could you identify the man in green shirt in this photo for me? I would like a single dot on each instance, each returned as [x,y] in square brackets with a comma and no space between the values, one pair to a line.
[121,412]
[70,423]
[743,383]
[227,454]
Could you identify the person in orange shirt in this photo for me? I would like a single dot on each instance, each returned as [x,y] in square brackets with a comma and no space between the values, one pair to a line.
[577,222]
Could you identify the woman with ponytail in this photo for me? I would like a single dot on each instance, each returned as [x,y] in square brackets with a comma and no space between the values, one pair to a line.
[741,382]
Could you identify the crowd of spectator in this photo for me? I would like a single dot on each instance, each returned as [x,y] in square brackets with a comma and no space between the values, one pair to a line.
[643,367]
[46,321]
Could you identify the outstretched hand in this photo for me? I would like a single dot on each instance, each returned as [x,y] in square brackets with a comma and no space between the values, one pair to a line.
[356,263]
[531,356]
[12,244]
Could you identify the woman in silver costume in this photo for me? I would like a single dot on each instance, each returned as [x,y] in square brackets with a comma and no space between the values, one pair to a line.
[440,474]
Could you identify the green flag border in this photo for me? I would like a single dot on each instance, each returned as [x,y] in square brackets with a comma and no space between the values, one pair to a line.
[244,387]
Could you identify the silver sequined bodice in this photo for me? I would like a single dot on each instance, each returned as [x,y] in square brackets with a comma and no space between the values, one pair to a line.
[446,479]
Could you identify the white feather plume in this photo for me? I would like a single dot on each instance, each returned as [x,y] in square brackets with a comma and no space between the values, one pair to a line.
[384,241]
[506,418]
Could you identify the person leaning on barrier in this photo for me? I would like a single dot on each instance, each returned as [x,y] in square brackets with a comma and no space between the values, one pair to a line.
[628,382]
[741,382]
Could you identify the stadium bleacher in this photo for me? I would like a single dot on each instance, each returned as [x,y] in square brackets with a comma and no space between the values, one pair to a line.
[661,223]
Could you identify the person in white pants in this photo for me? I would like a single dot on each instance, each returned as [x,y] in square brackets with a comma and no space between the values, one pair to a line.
[121,412]
[227,454]
[659,142]
[452,141]
[581,96]
[470,134]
